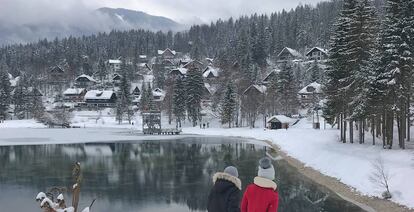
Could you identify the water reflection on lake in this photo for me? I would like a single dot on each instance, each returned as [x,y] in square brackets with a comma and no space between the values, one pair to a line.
[172,176]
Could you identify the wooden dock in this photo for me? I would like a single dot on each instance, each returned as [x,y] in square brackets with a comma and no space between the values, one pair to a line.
[162,132]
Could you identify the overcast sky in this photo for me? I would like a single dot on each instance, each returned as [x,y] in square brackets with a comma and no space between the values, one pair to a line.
[206,10]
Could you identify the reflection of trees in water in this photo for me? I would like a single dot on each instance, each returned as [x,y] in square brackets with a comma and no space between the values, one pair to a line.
[162,172]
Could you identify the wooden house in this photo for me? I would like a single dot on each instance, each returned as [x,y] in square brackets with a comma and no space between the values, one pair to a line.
[269,76]
[158,95]
[84,81]
[99,98]
[178,72]
[279,122]
[56,75]
[288,54]
[74,94]
[115,65]
[166,54]
[317,53]
[311,93]
[211,72]
[194,65]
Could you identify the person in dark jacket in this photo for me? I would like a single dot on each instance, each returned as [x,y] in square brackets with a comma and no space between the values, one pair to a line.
[226,192]
[261,195]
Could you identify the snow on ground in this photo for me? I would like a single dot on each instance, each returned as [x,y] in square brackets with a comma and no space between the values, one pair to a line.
[102,119]
[349,163]
[30,123]
[319,149]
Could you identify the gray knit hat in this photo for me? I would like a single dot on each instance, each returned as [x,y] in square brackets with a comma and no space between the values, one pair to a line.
[266,169]
[231,170]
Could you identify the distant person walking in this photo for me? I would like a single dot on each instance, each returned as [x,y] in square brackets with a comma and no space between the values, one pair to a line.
[261,196]
[225,195]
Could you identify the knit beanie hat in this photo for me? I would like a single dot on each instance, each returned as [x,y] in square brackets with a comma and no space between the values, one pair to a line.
[266,169]
[231,170]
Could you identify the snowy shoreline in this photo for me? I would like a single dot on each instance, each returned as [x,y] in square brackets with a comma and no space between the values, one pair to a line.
[317,149]
[348,164]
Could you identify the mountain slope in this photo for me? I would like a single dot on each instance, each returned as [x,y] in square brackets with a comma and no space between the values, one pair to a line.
[138,19]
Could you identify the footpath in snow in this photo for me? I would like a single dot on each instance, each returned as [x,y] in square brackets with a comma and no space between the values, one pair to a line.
[351,164]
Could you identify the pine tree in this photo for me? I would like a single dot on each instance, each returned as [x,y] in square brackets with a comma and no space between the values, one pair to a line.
[287,89]
[194,86]
[396,66]
[20,98]
[179,101]
[314,72]
[124,100]
[5,89]
[340,68]
[143,98]
[228,105]
[102,70]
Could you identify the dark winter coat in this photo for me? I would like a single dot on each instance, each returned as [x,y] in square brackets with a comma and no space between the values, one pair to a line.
[261,196]
[225,195]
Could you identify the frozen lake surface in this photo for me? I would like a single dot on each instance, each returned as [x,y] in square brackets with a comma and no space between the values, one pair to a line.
[169,175]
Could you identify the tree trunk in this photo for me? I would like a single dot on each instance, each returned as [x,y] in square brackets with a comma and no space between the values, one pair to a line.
[351,131]
[383,126]
[344,126]
[373,126]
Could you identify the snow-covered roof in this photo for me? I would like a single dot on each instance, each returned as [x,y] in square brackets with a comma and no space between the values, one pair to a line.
[183,71]
[161,52]
[192,62]
[14,81]
[314,87]
[291,51]
[73,91]
[210,60]
[57,69]
[211,70]
[261,88]
[210,88]
[158,92]
[97,94]
[115,61]
[135,85]
[318,49]
[282,119]
[274,71]
[86,76]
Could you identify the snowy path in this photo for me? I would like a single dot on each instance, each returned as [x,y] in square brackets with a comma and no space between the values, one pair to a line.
[349,163]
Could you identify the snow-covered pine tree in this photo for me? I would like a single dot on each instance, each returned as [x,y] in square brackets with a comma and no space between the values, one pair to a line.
[143,99]
[102,70]
[150,99]
[179,101]
[20,98]
[195,88]
[363,38]
[340,69]
[5,89]
[228,105]
[124,99]
[315,73]
[124,96]
[287,89]
[272,95]
[397,65]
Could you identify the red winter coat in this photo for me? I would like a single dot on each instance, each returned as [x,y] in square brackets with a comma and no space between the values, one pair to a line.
[261,196]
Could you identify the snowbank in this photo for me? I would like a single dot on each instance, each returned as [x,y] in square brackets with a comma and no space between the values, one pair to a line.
[349,163]
[27,123]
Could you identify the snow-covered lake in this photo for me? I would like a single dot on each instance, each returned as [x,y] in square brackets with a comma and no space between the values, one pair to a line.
[169,175]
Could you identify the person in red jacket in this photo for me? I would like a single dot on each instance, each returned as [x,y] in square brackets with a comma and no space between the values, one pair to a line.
[261,196]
